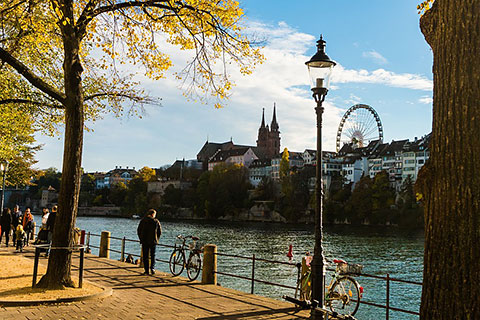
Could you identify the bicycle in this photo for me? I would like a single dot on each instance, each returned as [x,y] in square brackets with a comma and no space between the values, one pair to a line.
[177,258]
[343,292]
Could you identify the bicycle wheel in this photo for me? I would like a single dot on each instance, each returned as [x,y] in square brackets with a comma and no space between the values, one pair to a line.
[304,288]
[344,296]
[194,265]
[177,262]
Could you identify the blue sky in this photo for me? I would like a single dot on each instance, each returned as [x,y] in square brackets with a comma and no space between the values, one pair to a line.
[382,61]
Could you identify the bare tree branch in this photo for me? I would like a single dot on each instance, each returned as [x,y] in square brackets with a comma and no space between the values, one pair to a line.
[26,101]
[35,80]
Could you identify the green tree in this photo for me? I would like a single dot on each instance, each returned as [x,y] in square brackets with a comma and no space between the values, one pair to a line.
[44,179]
[360,205]
[117,194]
[267,189]
[383,198]
[410,213]
[223,190]
[47,48]
[450,181]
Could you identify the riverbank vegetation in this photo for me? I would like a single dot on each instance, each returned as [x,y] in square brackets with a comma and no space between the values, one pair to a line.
[226,192]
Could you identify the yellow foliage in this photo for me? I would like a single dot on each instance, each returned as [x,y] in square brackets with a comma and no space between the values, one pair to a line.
[424,6]
[113,33]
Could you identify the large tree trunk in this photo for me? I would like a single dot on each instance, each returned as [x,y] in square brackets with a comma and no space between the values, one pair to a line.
[59,264]
[451,279]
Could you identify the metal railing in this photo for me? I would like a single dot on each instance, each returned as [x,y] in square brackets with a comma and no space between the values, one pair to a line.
[254,260]
[39,247]
[386,278]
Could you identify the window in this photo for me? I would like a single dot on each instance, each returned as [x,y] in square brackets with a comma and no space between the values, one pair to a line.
[420,161]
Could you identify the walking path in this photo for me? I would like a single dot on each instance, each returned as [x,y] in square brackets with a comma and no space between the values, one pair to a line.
[137,296]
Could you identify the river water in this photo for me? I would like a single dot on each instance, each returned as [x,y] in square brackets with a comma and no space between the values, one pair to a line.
[380,250]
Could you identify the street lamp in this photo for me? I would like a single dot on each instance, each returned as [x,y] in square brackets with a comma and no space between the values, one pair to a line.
[320,67]
[3,168]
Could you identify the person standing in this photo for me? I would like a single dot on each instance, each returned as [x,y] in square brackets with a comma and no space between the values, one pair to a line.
[45,215]
[20,236]
[6,224]
[16,219]
[149,231]
[27,224]
[50,225]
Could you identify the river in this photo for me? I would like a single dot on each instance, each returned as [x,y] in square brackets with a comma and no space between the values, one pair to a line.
[381,250]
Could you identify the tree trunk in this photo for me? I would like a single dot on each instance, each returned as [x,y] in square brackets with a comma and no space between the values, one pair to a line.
[451,278]
[59,264]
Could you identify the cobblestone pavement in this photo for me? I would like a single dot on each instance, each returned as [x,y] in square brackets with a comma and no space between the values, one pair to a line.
[137,296]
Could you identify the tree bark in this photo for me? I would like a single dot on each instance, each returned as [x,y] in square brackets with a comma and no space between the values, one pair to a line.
[451,278]
[59,264]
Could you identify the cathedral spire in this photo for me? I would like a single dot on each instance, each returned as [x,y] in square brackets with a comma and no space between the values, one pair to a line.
[263,118]
[274,124]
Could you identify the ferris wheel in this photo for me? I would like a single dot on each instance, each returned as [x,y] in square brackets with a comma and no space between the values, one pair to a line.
[359,125]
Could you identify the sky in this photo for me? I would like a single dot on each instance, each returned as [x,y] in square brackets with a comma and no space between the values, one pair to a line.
[382,61]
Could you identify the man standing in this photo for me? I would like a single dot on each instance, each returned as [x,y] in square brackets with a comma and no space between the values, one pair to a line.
[149,231]
[50,226]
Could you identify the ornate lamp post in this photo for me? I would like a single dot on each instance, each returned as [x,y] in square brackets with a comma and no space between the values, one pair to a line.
[4,168]
[320,67]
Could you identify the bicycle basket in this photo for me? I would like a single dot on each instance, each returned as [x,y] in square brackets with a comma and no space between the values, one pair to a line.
[350,268]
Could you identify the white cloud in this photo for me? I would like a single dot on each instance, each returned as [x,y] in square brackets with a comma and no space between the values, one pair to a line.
[375,56]
[382,76]
[426,100]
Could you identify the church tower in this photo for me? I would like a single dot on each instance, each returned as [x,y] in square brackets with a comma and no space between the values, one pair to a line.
[269,137]
[274,136]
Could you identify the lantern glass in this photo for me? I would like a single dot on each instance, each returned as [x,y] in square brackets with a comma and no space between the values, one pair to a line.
[320,72]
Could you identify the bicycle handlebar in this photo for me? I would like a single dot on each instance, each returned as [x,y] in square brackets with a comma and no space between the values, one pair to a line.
[187,237]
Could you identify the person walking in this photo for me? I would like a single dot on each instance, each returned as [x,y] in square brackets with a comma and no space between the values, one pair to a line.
[16,219]
[6,224]
[149,231]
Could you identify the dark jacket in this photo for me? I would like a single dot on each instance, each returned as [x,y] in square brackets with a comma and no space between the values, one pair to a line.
[149,230]
[6,221]
[15,217]
[51,221]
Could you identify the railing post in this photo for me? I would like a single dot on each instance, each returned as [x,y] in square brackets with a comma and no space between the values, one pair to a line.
[80,271]
[82,237]
[104,250]
[35,267]
[387,315]
[209,271]
[88,241]
[253,273]
[122,257]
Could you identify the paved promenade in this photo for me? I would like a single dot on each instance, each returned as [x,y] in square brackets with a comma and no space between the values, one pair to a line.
[137,296]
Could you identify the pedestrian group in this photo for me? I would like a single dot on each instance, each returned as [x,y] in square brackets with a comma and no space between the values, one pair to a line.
[20,227]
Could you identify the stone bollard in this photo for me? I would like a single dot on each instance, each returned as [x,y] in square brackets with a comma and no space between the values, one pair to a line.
[104,250]
[209,275]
